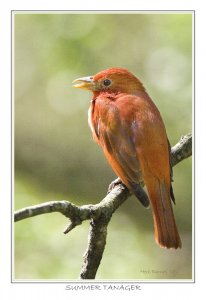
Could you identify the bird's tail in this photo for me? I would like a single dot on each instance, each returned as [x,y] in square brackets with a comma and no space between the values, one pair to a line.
[166,233]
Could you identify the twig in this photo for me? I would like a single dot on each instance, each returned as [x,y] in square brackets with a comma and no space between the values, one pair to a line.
[182,150]
[99,214]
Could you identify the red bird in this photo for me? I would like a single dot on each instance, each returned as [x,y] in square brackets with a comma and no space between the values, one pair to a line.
[127,124]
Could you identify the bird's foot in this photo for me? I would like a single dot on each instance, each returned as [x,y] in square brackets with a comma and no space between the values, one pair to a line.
[115,182]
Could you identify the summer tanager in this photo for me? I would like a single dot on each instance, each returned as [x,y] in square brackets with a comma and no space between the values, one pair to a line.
[127,124]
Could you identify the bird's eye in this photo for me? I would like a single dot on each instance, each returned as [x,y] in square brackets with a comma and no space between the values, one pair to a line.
[107,82]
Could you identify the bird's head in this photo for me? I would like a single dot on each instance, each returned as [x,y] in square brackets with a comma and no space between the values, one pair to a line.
[114,80]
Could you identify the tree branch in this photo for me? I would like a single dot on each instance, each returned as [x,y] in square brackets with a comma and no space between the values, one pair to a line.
[182,150]
[99,214]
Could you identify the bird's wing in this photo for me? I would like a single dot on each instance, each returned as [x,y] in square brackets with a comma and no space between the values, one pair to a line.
[171,173]
[151,142]
[153,153]
[115,136]
[120,152]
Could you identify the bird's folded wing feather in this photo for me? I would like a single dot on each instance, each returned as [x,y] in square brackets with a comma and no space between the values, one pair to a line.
[115,136]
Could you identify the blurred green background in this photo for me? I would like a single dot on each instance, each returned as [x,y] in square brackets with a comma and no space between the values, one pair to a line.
[56,158]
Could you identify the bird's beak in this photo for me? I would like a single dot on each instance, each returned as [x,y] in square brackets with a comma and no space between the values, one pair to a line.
[86,83]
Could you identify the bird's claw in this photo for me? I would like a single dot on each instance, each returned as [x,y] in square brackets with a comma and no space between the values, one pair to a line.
[115,182]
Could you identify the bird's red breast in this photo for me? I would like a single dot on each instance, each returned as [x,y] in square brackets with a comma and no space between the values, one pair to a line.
[127,124]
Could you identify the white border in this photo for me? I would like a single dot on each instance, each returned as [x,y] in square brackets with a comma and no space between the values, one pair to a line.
[52,291]
[103,280]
